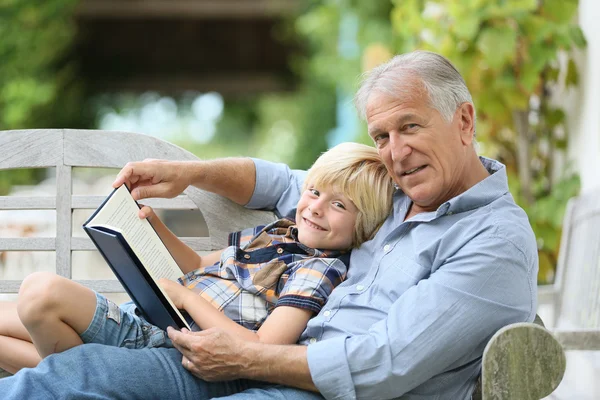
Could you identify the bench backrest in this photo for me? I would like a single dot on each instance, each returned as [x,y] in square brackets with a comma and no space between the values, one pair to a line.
[65,149]
[578,271]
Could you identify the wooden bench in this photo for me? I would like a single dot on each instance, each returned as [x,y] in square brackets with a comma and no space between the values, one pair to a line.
[522,361]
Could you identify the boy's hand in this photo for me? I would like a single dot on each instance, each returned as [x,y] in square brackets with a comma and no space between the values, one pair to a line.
[147,212]
[175,291]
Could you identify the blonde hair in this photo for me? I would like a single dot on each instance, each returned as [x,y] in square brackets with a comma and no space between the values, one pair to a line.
[357,171]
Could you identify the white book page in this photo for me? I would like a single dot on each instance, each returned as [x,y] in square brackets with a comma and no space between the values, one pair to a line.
[120,213]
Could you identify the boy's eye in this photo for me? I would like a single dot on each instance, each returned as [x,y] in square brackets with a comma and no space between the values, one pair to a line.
[315,192]
[340,205]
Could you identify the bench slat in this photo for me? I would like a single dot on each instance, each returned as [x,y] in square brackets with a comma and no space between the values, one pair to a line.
[88,202]
[100,285]
[38,148]
[27,203]
[196,243]
[28,244]
[178,203]
[89,148]
[64,220]
[584,339]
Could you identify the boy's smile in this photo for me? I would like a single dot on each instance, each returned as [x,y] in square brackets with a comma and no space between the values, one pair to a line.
[325,219]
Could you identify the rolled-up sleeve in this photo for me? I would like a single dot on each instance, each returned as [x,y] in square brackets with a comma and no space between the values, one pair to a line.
[329,368]
[437,325]
[277,187]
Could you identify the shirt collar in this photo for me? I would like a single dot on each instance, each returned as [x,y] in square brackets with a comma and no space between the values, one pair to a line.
[482,193]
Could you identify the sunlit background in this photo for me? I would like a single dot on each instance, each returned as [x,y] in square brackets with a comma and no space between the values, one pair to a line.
[275,78]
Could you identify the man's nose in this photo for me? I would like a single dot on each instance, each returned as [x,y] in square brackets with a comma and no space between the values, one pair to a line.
[400,149]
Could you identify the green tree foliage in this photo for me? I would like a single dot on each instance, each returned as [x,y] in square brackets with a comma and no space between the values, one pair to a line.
[35,69]
[38,83]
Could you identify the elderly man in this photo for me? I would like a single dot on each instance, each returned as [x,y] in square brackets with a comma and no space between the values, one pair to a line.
[454,262]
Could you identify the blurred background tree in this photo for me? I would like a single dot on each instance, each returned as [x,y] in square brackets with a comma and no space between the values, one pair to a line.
[38,80]
[515,56]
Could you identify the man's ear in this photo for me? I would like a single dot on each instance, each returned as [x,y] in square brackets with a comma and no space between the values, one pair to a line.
[466,122]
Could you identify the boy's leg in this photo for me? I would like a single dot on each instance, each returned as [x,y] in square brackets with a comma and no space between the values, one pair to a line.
[95,371]
[122,327]
[16,349]
[55,311]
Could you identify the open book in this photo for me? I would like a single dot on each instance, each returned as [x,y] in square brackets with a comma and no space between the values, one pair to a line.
[137,256]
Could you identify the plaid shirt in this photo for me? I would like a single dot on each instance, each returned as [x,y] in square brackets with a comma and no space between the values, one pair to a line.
[266,267]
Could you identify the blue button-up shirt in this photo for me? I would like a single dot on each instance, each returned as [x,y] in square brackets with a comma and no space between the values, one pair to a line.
[422,299]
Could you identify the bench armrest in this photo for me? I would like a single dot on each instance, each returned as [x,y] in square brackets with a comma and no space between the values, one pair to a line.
[522,361]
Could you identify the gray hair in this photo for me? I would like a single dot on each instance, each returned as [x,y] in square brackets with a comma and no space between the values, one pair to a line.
[445,87]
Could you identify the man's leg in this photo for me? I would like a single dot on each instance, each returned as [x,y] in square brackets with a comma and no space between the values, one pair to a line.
[94,371]
[275,392]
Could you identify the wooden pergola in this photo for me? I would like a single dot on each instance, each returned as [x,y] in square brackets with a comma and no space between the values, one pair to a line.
[176,45]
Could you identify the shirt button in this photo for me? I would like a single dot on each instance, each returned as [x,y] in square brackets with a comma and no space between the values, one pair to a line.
[279,250]
[312,340]
[247,256]
[386,248]
[359,287]
[327,313]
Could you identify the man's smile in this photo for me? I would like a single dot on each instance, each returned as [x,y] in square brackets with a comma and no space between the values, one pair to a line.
[413,170]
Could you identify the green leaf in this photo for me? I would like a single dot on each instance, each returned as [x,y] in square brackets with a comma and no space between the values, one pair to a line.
[540,55]
[577,36]
[467,27]
[554,117]
[552,74]
[572,77]
[559,10]
[498,45]
[529,76]
[521,5]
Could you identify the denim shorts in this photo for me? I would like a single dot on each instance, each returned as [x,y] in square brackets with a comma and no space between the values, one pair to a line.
[123,327]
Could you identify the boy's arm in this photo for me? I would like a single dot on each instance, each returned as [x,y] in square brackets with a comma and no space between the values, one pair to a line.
[186,258]
[283,326]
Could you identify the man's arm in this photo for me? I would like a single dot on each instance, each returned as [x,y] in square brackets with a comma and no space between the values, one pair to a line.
[233,178]
[251,182]
[216,355]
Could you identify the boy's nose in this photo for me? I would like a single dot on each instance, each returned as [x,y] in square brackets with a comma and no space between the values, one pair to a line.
[315,209]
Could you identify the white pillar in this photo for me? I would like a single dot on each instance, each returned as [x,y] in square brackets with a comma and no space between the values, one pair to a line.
[584,112]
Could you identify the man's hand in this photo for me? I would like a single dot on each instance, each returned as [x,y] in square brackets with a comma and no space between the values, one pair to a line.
[212,354]
[153,178]
[175,291]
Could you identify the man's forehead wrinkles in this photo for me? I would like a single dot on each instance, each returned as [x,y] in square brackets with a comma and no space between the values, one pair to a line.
[393,122]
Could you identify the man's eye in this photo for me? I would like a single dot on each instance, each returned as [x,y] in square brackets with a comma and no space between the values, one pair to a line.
[380,138]
[411,126]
